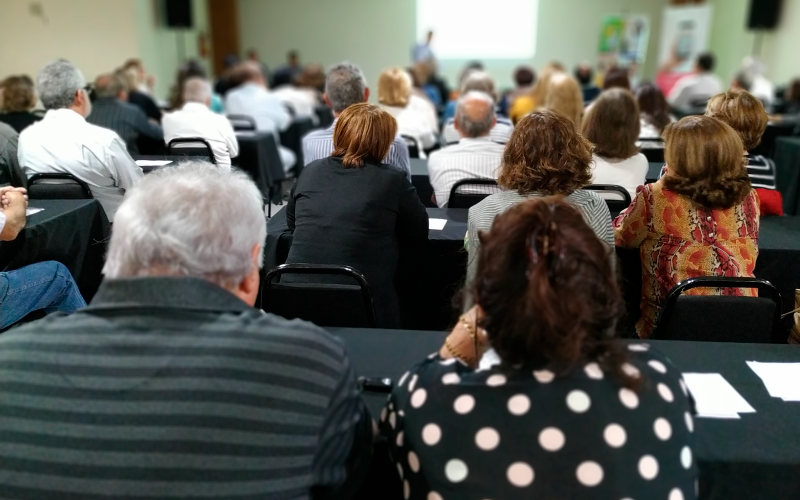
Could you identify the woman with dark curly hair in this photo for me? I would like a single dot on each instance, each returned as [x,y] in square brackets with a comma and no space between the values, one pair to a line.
[569,411]
[545,156]
[17,99]
[700,219]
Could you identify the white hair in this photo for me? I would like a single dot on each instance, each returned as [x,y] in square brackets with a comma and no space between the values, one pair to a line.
[57,84]
[194,219]
[475,125]
[196,89]
[345,85]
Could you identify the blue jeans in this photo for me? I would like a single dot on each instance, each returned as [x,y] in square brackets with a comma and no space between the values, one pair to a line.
[44,285]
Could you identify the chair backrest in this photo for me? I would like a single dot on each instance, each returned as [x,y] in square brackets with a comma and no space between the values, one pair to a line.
[468,192]
[324,115]
[191,146]
[324,304]
[721,318]
[242,123]
[653,150]
[413,145]
[58,187]
[616,197]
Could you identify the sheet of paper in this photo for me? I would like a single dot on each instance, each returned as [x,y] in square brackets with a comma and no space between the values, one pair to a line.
[153,163]
[715,397]
[436,224]
[780,379]
[32,210]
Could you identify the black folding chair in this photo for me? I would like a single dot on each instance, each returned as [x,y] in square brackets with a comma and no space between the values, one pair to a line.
[468,192]
[324,304]
[616,197]
[721,318]
[191,146]
[324,116]
[413,145]
[242,123]
[58,187]
[653,150]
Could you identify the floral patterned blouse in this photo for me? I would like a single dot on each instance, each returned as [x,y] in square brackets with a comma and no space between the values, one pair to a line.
[679,239]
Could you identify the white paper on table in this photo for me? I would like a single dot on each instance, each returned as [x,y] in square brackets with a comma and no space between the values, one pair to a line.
[31,210]
[153,163]
[715,397]
[436,224]
[780,379]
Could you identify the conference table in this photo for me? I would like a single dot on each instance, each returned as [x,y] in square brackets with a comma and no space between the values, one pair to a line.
[754,457]
[72,232]
[787,165]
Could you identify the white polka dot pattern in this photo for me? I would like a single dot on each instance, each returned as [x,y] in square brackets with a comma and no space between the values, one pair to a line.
[666,392]
[689,421]
[520,474]
[403,379]
[686,457]
[683,387]
[519,405]
[593,371]
[615,435]
[589,473]
[448,362]
[648,467]
[451,379]
[413,462]
[400,470]
[657,366]
[406,490]
[496,380]
[628,398]
[551,439]
[456,470]
[384,412]
[638,347]
[676,494]
[434,496]
[418,398]
[662,428]
[578,401]
[630,370]
[464,404]
[399,439]
[413,382]
[544,376]
[487,439]
[393,419]
[431,434]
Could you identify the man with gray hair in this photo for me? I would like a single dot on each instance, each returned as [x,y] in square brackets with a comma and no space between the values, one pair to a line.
[481,81]
[345,85]
[170,384]
[195,119]
[475,155]
[111,110]
[64,142]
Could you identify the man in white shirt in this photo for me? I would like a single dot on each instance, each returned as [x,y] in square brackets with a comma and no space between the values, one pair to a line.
[252,99]
[480,81]
[475,156]
[698,87]
[64,142]
[195,119]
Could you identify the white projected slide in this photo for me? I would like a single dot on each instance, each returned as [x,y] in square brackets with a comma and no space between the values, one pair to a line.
[479,29]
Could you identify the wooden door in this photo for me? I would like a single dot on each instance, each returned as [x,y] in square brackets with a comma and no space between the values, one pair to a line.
[223,17]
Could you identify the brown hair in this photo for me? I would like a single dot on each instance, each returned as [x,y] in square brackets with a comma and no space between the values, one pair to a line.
[617,77]
[18,94]
[612,124]
[394,88]
[564,96]
[653,106]
[792,92]
[742,111]
[546,154]
[363,131]
[705,161]
[547,289]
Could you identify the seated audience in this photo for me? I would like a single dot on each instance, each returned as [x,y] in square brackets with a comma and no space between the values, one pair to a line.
[479,81]
[450,107]
[654,110]
[792,97]
[564,96]
[145,81]
[345,85]
[65,143]
[111,110]
[475,155]
[17,99]
[753,70]
[195,119]
[285,75]
[524,105]
[305,94]
[394,95]
[746,115]
[612,125]
[192,69]
[140,99]
[252,99]
[11,173]
[252,56]
[696,88]
[545,156]
[349,209]
[524,78]
[585,77]
[700,219]
[617,77]
[421,74]
[568,411]
[170,384]
[44,286]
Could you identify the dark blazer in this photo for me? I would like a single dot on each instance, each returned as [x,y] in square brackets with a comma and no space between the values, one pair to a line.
[357,217]
[19,120]
[146,104]
[127,120]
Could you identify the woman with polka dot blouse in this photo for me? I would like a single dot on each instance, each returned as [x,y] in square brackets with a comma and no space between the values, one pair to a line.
[569,412]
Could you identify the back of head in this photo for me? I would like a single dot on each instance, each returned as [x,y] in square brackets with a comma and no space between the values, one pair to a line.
[421,73]
[564,96]
[17,94]
[480,81]
[470,68]
[547,155]
[345,85]
[705,161]
[617,78]
[583,73]
[475,115]
[524,76]
[539,91]
[743,112]
[197,90]
[743,80]
[653,105]
[363,132]
[547,288]
[312,77]
[792,93]
[176,222]
[109,85]
[612,124]
[57,84]
[250,72]
[394,88]
[705,61]
[130,78]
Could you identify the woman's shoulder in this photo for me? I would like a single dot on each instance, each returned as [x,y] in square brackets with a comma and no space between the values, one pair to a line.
[488,208]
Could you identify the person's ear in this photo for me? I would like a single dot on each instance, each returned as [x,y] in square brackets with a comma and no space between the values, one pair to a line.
[366,94]
[208,102]
[455,123]
[247,290]
[494,121]
[326,100]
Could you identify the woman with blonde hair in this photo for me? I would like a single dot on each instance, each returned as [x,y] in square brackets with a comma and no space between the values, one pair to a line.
[415,117]
[350,209]
[17,99]
[564,96]
[524,105]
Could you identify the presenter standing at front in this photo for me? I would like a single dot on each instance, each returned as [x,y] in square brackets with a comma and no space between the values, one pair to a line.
[422,51]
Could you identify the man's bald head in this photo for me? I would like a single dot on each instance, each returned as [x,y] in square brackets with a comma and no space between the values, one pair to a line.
[198,90]
[475,114]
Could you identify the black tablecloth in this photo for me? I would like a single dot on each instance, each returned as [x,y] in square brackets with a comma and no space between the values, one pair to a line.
[787,163]
[72,232]
[259,157]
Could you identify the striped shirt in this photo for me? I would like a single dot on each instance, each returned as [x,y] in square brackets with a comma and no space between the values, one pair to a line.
[319,144]
[173,388]
[500,133]
[469,159]
[761,171]
[127,120]
[481,217]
